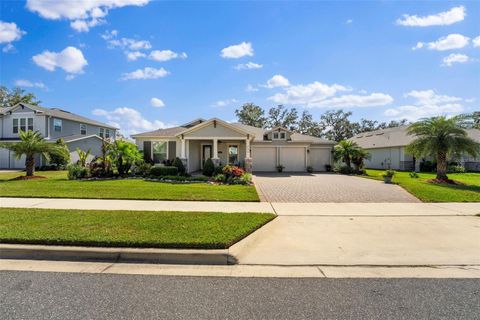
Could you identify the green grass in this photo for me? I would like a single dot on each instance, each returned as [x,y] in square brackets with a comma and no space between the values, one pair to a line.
[58,186]
[429,192]
[208,230]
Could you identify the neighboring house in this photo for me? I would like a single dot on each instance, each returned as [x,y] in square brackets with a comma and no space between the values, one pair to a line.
[233,143]
[387,149]
[75,130]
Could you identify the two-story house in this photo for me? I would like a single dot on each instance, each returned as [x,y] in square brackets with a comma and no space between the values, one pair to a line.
[52,123]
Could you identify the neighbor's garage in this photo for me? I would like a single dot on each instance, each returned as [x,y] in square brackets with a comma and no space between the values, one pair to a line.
[293,159]
[319,157]
[264,159]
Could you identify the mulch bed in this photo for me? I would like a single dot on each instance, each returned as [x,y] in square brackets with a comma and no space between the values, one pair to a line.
[28,178]
[448,181]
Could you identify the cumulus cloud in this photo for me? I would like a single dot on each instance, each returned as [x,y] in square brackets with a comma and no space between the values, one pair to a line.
[310,95]
[456,14]
[157,103]
[453,58]
[70,59]
[277,81]
[224,103]
[129,120]
[29,84]
[251,88]
[427,103]
[476,42]
[82,14]
[134,55]
[9,32]
[237,51]
[145,73]
[248,66]
[452,41]
[352,100]
[165,55]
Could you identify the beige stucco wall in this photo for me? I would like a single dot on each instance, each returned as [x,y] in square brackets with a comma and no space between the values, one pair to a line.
[220,131]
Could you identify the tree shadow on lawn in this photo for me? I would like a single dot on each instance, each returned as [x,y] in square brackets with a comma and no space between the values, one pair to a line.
[462,187]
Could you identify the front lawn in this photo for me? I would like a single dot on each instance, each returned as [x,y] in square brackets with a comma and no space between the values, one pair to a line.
[429,192]
[58,186]
[208,230]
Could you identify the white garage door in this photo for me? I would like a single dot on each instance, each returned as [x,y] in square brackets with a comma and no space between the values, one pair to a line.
[264,158]
[293,159]
[319,157]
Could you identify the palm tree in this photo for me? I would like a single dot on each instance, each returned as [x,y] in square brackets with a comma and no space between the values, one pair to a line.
[31,143]
[83,156]
[441,138]
[348,152]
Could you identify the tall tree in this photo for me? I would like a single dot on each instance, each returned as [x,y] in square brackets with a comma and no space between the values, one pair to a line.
[252,115]
[367,125]
[336,125]
[31,144]
[441,138]
[280,116]
[9,98]
[306,125]
[476,120]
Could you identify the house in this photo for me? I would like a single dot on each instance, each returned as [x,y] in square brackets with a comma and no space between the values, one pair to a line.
[52,123]
[257,149]
[387,149]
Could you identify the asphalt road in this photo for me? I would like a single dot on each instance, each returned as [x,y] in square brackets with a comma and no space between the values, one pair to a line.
[38,295]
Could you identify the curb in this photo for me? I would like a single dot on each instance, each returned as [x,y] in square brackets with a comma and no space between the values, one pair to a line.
[147,255]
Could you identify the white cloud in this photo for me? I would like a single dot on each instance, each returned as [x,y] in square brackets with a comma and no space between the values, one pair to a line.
[427,103]
[248,66]
[82,14]
[109,34]
[146,73]
[237,51]
[165,55]
[476,42]
[453,58]
[310,95]
[277,81]
[445,18]
[129,44]
[351,100]
[134,55]
[29,84]
[224,103]
[349,21]
[8,48]
[251,88]
[452,41]
[70,59]
[129,120]
[9,32]
[156,102]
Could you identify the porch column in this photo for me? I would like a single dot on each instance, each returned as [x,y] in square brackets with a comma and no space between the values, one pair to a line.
[183,155]
[183,150]
[215,158]
[248,158]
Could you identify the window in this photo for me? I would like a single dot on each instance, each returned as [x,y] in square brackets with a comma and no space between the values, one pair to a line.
[100,132]
[232,154]
[282,135]
[30,124]
[275,135]
[15,125]
[279,135]
[23,124]
[83,129]
[159,151]
[57,125]
[107,133]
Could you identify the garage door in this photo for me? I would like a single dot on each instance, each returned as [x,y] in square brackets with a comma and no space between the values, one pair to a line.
[264,158]
[318,158]
[293,159]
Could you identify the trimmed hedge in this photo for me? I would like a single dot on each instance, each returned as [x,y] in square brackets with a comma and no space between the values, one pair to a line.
[159,171]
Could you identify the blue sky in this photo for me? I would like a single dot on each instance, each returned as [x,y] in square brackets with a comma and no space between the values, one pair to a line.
[144,64]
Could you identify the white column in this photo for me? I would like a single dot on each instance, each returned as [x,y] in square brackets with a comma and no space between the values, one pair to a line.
[183,151]
[215,148]
[247,148]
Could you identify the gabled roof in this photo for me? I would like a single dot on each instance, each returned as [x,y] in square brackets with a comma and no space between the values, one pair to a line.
[212,120]
[161,133]
[57,113]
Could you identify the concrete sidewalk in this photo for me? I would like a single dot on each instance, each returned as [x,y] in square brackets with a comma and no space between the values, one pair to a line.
[281,209]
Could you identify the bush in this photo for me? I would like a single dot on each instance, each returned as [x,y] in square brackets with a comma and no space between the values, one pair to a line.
[247,178]
[179,165]
[185,179]
[208,168]
[427,166]
[98,169]
[61,156]
[142,169]
[388,174]
[310,169]
[219,178]
[159,171]
[455,169]
[76,172]
[343,169]
[414,175]
[233,171]
[218,170]
[328,167]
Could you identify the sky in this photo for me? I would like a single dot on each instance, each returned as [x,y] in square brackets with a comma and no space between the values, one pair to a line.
[143,65]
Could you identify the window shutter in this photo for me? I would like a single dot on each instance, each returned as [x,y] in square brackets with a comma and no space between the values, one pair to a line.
[147,151]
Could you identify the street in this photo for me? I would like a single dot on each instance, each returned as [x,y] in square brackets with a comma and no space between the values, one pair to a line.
[43,295]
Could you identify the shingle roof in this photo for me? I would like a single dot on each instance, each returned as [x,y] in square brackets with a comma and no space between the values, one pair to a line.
[58,113]
[394,137]
[161,133]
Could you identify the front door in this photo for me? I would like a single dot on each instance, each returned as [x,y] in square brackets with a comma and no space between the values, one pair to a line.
[206,153]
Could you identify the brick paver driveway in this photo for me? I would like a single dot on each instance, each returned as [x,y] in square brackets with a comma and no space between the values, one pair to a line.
[326,188]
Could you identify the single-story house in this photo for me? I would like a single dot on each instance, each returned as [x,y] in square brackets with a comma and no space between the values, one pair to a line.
[387,149]
[257,149]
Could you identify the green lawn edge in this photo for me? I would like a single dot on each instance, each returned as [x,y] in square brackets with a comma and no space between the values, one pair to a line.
[130,229]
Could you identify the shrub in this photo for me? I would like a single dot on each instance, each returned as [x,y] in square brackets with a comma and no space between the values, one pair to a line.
[310,169]
[218,170]
[233,171]
[219,177]
[247,178]
[328,167]
[60,157]
[76,172]
[100,168]
[427,166]
[159,171]
[179,165]
[343,169]
[142,169]
[413,175]
[455,169]
[388,173]
[208,168]
[185,179]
